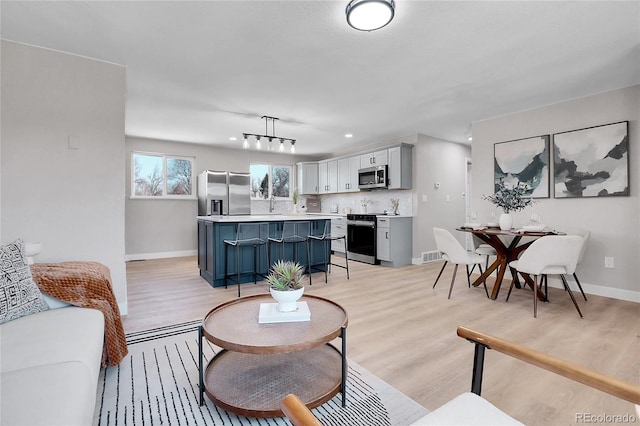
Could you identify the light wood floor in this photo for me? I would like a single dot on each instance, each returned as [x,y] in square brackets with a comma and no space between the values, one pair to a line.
[405,332]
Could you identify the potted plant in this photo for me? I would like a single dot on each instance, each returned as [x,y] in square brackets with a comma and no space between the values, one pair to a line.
[509,199]
[286,284]
[296,196]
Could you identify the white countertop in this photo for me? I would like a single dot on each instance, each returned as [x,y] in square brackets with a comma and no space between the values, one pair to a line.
[265,217]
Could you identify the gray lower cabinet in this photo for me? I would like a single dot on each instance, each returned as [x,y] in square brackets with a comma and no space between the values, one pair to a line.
[338,227]
[394,241]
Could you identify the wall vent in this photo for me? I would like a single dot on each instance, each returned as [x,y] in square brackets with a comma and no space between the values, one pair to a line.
[431,256]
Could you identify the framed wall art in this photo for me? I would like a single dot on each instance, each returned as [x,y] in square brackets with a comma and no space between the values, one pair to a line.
[523,161]
[592,162]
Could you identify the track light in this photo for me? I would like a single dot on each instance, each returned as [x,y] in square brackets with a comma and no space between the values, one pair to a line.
[293,146]
[245,144]
[281,145]
[258,145]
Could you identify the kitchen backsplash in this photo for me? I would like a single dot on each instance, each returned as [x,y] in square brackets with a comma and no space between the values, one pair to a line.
[378,202]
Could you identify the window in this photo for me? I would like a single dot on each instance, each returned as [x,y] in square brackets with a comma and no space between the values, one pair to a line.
[161,176]
[267,180]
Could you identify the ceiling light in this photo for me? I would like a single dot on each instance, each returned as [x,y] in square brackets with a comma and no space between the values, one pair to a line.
[233,138]
[268,136]
[293,147]
[348,135]
[469,138]
[370,15]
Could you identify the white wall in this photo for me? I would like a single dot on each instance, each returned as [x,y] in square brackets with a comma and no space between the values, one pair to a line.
[71,200]
[444,162]
[613,221]
[165,228]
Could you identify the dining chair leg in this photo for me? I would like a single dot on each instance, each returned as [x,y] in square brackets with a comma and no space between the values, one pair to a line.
[468,275]
[573,299]
[453,278]
[484,283]
[575,277]
[445,264]
[510,288]
[535,296]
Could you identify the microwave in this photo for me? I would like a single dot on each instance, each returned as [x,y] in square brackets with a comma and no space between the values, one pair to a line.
[372,177]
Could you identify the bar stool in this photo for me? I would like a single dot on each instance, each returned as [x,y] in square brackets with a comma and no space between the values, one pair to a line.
[248,235]
[294,232]
[326,239]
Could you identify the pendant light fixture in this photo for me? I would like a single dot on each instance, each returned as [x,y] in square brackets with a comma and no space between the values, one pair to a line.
[269,137]
[370,15]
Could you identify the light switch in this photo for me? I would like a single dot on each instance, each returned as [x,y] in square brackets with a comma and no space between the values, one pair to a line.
[72,142]
[425,198]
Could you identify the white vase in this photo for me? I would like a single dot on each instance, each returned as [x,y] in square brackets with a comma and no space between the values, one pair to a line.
[506,221]
[294,208]
[287,299]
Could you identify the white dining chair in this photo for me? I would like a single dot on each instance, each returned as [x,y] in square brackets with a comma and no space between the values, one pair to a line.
[550,255]
[585,234]
[452,251]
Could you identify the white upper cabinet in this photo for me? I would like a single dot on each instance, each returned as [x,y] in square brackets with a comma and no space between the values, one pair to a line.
[328,177]
[371,159]
[307,178]
[400,169]
[348,174]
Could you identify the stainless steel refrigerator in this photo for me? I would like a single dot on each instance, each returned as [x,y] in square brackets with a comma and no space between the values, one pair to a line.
[224,193]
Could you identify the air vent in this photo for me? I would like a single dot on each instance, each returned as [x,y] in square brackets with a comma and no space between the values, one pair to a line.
[431,256]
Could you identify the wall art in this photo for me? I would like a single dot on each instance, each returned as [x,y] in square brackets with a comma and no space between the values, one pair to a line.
[523,161]
[592,162]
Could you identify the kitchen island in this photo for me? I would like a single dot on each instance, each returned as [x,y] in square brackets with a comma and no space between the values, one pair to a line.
[213,230]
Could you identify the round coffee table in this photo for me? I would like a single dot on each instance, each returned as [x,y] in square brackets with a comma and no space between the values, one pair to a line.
[261,363]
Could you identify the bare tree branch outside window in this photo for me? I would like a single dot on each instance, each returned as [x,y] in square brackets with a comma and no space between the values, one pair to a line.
[149,180]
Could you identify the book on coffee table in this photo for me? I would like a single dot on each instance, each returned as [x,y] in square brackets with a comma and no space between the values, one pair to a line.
[269,313]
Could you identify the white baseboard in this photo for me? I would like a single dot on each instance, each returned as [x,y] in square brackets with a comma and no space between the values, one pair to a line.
[160,255]
[598,290]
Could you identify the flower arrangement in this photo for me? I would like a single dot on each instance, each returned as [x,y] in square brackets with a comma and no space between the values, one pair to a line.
[285,275]
[510,199]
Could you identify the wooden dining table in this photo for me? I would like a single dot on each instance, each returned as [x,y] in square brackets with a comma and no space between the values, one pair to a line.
[506,252]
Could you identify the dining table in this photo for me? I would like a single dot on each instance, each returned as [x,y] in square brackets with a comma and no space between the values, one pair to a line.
[508,245]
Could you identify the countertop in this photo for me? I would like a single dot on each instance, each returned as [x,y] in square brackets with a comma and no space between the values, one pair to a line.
[265,217]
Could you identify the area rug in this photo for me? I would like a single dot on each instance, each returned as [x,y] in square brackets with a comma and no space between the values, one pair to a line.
[157,384]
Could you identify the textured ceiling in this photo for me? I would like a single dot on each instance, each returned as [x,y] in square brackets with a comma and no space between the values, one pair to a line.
[205,71]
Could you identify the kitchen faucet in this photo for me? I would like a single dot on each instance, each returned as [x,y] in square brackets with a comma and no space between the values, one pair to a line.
[272,203]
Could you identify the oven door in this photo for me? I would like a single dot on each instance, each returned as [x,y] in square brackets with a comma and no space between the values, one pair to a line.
[361,241]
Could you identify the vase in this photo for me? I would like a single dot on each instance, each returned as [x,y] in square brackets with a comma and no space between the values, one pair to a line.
[287,299]
[506,221]
[294,208]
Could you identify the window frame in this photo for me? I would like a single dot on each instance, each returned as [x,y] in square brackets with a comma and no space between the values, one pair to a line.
[165,158]
[270,184]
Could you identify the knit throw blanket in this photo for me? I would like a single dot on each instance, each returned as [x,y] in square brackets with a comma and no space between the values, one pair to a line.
[88,285]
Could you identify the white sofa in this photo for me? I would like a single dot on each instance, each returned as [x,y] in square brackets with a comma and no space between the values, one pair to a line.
[49,366]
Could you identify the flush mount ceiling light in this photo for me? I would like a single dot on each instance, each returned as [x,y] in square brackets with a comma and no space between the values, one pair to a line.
[370,15]
[268,137]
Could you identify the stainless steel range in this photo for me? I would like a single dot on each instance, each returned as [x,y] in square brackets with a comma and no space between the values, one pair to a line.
[361,237]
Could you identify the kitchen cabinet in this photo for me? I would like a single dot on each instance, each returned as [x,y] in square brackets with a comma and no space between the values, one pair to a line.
[348,174]
[212,251]
[400,167]
[328,177]
[377,158]
[394,240]
[338,227]
[307,178]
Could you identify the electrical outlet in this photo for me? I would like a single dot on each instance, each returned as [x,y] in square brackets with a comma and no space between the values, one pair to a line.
[608,262]
[425,198]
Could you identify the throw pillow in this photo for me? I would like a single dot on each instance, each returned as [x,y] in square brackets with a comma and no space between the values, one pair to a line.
[19,294]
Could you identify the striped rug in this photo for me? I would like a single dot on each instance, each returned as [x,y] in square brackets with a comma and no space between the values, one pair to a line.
[157,384]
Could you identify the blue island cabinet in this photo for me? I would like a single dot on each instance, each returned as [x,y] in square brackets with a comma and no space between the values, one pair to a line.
[211,251]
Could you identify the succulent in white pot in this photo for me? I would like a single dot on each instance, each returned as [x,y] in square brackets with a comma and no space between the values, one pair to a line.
[286,284]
